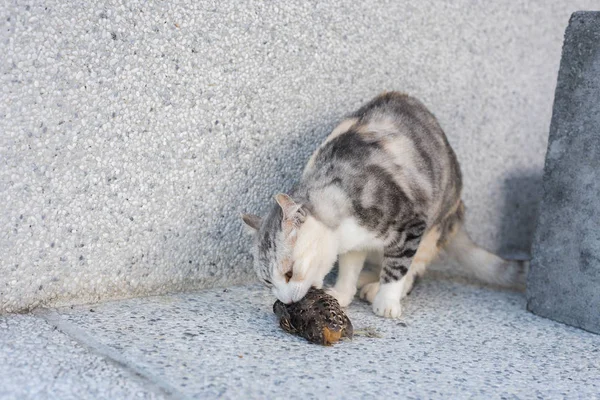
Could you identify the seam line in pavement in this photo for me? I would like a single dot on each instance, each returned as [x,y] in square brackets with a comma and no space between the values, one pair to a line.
[111,355]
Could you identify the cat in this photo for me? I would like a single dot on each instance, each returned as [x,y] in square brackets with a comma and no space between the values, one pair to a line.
[385,184]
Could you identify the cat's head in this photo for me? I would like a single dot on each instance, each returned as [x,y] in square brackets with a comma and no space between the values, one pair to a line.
[287,251]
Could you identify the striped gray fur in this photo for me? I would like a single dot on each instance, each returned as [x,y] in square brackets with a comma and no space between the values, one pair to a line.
[379,189]
[383,180]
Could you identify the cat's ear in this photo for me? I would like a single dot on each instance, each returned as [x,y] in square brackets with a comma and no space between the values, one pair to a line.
[251,221]
[288,206]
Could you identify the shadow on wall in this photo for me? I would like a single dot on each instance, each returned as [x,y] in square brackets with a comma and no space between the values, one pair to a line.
[522,195]
[277,171]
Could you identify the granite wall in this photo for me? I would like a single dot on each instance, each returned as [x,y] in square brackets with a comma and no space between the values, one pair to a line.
[133,133]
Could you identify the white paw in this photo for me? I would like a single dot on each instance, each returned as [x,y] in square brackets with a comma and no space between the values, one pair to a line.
[344,298]
[369,291]
[387,307]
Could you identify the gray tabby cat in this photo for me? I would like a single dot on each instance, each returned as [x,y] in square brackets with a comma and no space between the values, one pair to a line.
[385,183]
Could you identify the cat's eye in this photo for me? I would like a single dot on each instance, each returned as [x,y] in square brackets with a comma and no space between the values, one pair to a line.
[288,276]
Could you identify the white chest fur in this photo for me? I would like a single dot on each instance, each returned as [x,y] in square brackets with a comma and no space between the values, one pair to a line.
[353,237]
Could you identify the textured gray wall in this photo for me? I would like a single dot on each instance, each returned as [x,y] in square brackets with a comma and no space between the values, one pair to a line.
[133,133]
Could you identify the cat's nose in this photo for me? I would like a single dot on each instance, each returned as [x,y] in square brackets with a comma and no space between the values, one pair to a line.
[282,295]
[298,290]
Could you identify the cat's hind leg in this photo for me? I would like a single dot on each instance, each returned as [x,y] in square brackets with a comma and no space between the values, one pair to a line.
[350,265]
[427,252]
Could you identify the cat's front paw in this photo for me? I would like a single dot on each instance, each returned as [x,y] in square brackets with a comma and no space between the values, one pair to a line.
[344,298]
[387,307]
[369,291]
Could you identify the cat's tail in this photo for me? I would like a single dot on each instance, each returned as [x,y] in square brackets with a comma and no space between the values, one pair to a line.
[484,265]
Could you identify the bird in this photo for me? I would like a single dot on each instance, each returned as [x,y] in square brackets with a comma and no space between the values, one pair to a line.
[318,318]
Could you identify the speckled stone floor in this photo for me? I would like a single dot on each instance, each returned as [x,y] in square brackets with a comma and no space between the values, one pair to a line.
[455,340]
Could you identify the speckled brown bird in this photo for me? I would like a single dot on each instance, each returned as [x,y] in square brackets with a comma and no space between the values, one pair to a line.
[318,318]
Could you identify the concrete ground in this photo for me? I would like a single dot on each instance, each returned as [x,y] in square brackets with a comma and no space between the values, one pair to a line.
[455,340]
